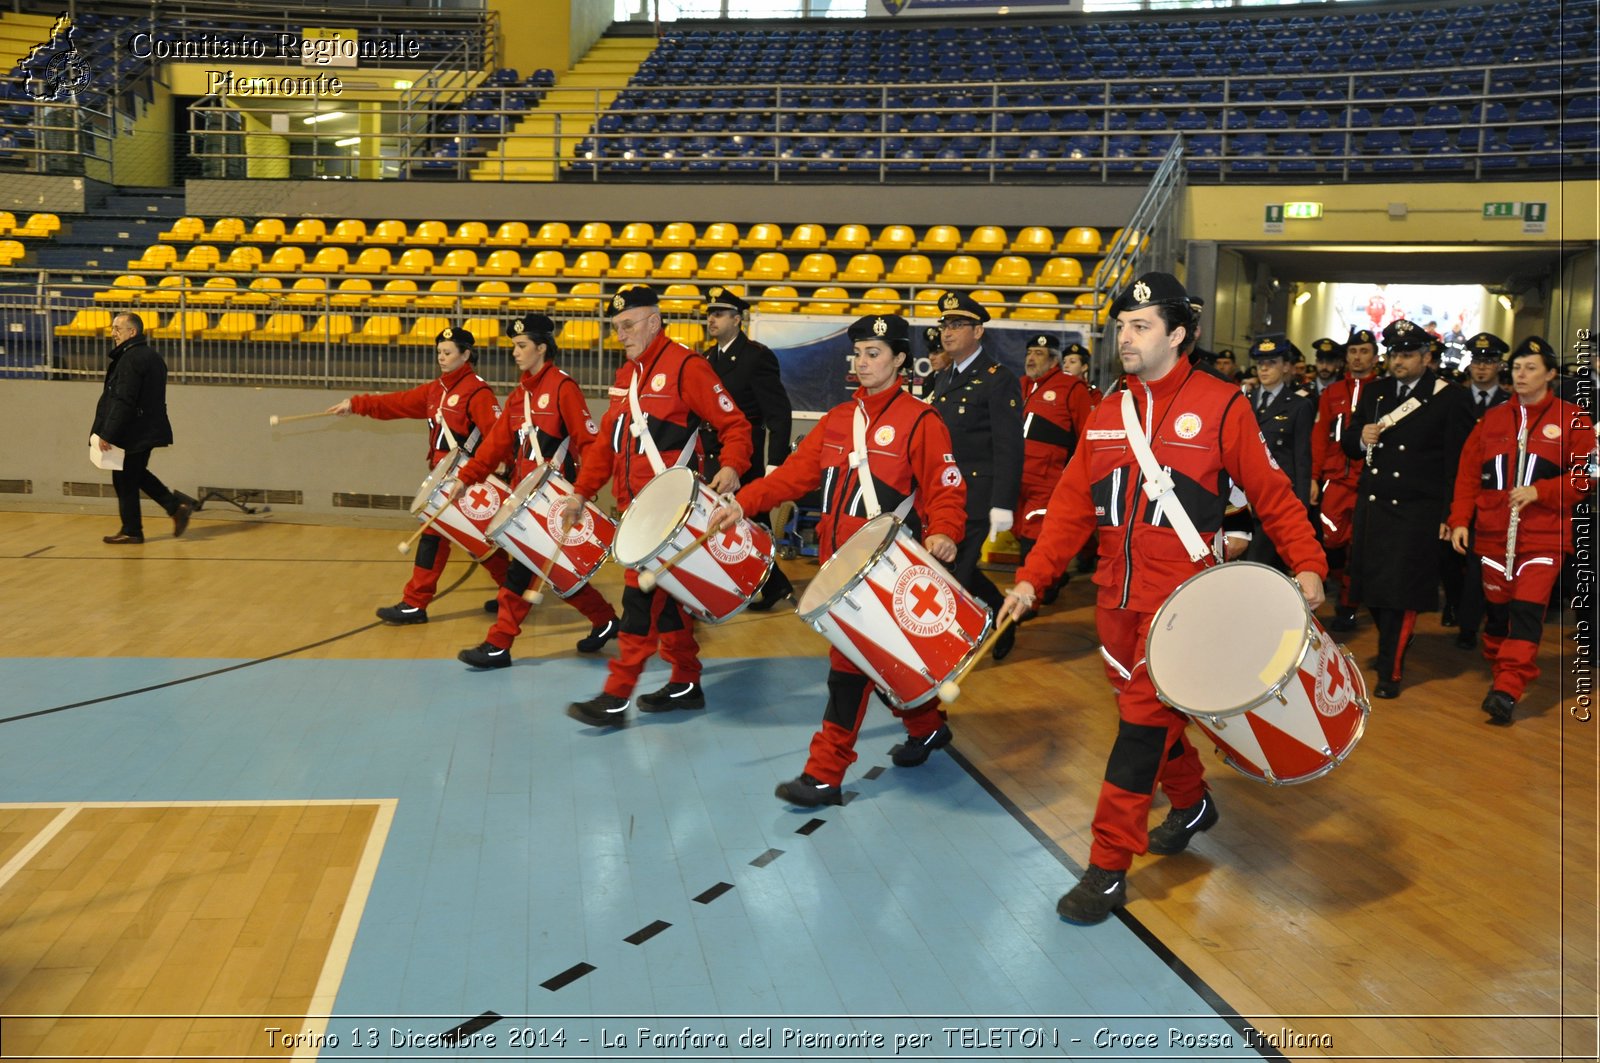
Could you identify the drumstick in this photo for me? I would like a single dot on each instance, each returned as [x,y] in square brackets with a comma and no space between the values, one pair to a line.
[647,580]
[411,540]
[950,689]
[275,420]
[535,594]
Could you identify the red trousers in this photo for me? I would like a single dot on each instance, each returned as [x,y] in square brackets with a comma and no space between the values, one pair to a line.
[1515,610]
[1150,748]
[432,553]
[514,607]
[833,748]
[650,621]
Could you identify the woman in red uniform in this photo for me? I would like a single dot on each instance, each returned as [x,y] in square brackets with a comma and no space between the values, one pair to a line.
[546,408]
[911,452]
[1489,489]
[460,408]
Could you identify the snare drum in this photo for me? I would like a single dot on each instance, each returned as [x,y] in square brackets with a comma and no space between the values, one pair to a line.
[714,582]
[464,520]
[528,527]
[1286,703]
[887,604]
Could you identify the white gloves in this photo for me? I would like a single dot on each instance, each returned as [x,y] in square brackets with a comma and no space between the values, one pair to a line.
[999,521]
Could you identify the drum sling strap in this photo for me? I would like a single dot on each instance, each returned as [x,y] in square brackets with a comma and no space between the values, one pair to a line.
[639,427]
[1158,485]
[533,434]
[858,462]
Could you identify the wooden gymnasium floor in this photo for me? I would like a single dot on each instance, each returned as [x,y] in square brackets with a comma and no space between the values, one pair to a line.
[231,804]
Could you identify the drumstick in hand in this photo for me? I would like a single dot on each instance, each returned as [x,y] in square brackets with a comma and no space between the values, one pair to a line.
[950,689]
[535,594]
[647,580]
[275,420]
[406,546]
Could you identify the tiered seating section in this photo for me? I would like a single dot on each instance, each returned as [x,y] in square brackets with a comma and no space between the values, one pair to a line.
[1350,93]
[40,226]
[475,126]
[384,282]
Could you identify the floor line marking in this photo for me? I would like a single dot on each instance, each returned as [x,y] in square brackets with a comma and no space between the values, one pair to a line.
[37,842]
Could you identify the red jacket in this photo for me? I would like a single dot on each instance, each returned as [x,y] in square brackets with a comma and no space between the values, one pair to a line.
[1334,410]
[1055,408]
[462,400]
[908,450]
[1206,434]
[1560,437]
[678,390]
[550,405]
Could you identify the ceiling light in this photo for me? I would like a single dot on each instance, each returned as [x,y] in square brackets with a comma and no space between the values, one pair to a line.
[325,117]
[346,142]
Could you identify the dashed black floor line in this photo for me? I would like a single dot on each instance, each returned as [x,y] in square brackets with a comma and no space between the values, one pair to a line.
[567,977]
[450,1038]
[766,858]
[645,933]
[709,895]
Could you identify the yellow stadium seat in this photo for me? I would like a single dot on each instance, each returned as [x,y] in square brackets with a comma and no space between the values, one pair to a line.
[166,290]
[1134,237]
[125,289]
[691,334]
[941,239]
[485,331]
[509,234]
[817,266]
[551,234]
[501,263]
[390,231]
[307,291]
[547,264]
[675,236]
[581,298]
[241,260]
[986,240]
[233,325]
[895,238]
[185,324]
[678,265]
[157,257]
[184,230]
[779,299]
[458,263]
[279,328]
[769,266]
[594,234]
[878,301]
[589,264]
[488,295]
[377,329]
[680,299]
[441,295]
[263,292]
[865,268]
[1037,306]
[306,231]
[1101,276]
[199,259]
[8,221]
[11,251]
[371,260]
[635,234]
[39,227]
[762,236]
[850,237]
[225,231]
[86,324]
[468,234]
[329,328]
[1084,309]
[215,292]
[424,331]
[1009,270]
[400,292]
[327,260]
[723,266]
[285,260]
[990,300]
[536,295]
[347,231]
[265,231]
[1080,241]
[805,237]
[428,234]
[633,265]
[911,269]
[150,318]
[1060,273]
[959,269]
[415,262]
[580,334]
[719,236]
[927,302]
[1033,240]
[352,293]
[827,301]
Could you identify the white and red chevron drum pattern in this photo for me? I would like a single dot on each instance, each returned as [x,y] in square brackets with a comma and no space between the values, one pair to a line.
[465,520]
[528,528]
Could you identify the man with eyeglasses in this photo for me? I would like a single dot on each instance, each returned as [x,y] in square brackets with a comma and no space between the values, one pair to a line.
[980,401]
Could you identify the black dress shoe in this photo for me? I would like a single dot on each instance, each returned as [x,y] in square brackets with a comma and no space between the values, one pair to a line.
[180,518]
[492,606]
[1499,705]
[123,539]
[1387,688]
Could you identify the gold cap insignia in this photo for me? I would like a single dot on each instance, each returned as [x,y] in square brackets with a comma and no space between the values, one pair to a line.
[448,334]
[950,303]
[517,328]
[617,302]
[1266,346]
[880,327]
[1141,292]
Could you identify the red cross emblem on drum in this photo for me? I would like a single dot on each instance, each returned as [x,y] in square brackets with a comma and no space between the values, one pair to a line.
[479,503]
[923,604]
[1334,693]
[731,546]
[581,531]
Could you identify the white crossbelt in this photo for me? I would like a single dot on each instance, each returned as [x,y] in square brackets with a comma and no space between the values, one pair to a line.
[858,462]
[533,436]
[640,427]
[1158,485]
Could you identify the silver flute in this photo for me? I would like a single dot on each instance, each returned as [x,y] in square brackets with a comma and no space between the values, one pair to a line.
[1516,511]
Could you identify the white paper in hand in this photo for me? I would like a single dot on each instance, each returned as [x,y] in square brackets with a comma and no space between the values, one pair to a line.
[104,459]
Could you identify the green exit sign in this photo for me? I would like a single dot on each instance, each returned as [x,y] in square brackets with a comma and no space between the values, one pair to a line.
[1502,210]
[1302,210]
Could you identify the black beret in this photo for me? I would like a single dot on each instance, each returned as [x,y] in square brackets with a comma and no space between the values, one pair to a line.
[458,336]
[1361,335]
[1534,345]
[1275,346]
[1152,289]
[960,304]
[1403,335]
[934,337]
[632,296]
[1487,347]
[532,324]
[1044,339]
[1328,350]
[720,298]
[891,328]
[1076,348]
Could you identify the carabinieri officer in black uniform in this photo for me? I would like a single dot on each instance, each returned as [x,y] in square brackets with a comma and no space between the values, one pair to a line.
[980,401]
[749,372]
[1285,413]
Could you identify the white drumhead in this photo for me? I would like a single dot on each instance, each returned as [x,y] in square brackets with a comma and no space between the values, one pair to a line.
[847,563]
[654,515]
[1226,637]
[439,474]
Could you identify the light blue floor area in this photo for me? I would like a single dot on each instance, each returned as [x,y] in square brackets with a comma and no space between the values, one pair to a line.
[525,843]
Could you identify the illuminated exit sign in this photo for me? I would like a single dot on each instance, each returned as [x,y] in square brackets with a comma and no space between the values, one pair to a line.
[1302,210]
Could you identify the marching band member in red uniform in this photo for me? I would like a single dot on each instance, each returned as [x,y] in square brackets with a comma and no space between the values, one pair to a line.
[1488,489]
[546,408]
[460,408]
[1055,407]
[678,390]
[1203,430]
[910,453]
[1333,475]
